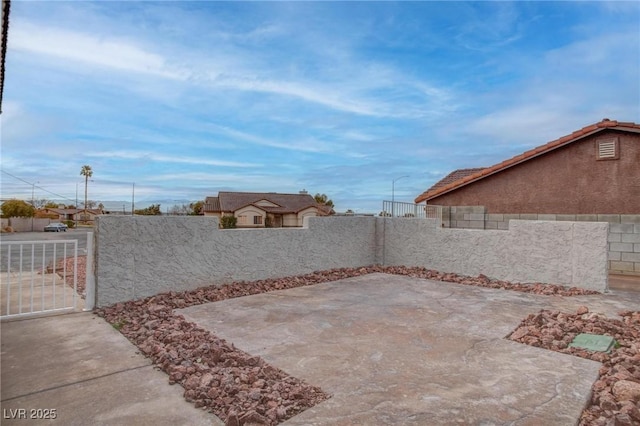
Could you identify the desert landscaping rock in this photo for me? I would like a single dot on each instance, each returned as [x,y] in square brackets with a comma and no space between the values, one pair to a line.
[244,389]
[615,396]
[67,265]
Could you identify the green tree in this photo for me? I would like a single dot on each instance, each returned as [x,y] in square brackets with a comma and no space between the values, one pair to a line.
[228,222]
[51,205]
[196,208]
[87,173]
[323,199]
[17,208]
[152,210]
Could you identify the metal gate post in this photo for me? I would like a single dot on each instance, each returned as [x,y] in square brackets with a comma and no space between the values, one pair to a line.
[90,283]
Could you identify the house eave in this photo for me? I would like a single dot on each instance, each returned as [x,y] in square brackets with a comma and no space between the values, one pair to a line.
[525,157]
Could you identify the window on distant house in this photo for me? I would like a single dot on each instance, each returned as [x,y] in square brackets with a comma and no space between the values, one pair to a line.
[607,149]
[242,220]
[257,220]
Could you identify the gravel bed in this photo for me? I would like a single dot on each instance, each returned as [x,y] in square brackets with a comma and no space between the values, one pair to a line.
[615,398]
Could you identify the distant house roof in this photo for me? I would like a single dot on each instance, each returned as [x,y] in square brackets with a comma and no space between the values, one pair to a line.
[73,211]
[228,202]
[606,124]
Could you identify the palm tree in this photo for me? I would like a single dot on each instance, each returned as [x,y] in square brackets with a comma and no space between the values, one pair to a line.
[323,200]
[87,173]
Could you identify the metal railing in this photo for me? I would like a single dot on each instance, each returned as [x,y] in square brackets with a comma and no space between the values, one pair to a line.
[422,211]
[38,277]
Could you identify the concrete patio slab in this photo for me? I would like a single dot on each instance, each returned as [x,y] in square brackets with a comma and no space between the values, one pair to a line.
[85,370]
[401,350]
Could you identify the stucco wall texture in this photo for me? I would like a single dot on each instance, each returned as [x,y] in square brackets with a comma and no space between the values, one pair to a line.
[565,253]
[568,180]
[141,256]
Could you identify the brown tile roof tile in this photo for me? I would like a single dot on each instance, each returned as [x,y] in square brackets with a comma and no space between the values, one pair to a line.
[442,187]
[211,204]
[454,176]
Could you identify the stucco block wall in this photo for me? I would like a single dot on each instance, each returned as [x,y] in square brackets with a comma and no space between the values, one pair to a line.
[142,256]
[623,239]
[568,180]
[566,253]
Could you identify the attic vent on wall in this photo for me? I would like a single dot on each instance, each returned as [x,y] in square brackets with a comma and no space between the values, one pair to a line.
[607,149]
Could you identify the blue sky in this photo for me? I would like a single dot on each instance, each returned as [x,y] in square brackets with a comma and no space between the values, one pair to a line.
[189,98]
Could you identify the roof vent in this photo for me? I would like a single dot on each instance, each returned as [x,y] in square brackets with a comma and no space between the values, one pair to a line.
[607,149]
[304,191]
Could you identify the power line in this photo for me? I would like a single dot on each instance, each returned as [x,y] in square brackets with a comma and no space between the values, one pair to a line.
[36,186]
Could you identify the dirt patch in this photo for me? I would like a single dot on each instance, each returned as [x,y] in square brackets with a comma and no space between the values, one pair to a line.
[615,396]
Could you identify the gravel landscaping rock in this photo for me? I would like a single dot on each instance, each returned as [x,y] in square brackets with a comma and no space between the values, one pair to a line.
[615,396]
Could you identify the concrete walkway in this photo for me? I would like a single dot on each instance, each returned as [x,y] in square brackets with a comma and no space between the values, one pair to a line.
[89,373]
[37,292]
[391,350]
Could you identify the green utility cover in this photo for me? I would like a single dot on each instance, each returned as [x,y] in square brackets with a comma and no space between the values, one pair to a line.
[593,342]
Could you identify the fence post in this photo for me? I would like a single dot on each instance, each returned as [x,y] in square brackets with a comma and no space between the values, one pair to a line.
[90,280]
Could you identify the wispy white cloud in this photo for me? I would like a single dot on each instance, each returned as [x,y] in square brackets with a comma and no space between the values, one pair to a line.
[314,146]
[146,156]
[352,94]
[109,52]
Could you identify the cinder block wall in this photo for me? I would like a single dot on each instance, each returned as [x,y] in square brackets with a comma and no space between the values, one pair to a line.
[624,230]
[624,248]
[465,217]
[142,256]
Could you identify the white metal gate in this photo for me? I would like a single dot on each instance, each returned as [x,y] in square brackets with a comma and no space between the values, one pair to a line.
[38,277]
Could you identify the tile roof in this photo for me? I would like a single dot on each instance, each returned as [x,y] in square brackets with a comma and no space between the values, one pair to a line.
[605,124]
[285,203]
[211,204]
[73,211]
[454,176]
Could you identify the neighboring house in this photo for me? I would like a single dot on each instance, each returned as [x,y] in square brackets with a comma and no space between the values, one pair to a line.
[592,174]
[265,209]
[75,214]
[595,170]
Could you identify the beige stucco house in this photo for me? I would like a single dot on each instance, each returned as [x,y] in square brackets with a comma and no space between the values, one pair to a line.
[265,209]
[74,214]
